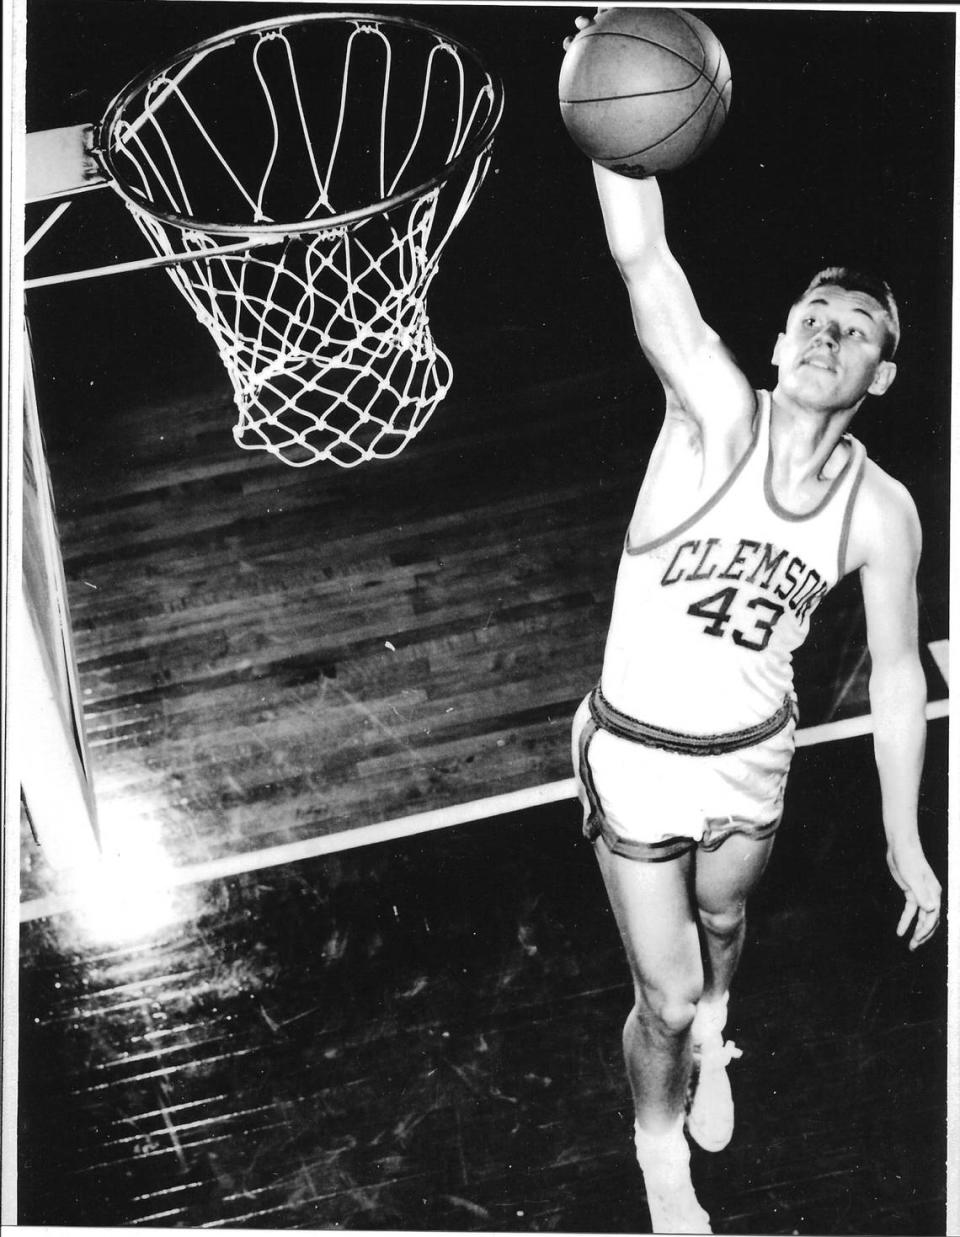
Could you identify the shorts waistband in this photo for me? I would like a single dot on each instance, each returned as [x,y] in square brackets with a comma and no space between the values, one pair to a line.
[609,718]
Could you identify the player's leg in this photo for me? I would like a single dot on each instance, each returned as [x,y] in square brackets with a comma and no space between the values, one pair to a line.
[723,880]
[652,906]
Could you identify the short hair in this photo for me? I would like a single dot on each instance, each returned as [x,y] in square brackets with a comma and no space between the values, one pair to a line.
[859,281]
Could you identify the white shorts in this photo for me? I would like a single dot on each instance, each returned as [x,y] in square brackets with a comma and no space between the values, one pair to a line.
[653,804]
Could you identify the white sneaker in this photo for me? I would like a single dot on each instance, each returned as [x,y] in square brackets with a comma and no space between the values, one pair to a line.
[710,1114]
[665,1163]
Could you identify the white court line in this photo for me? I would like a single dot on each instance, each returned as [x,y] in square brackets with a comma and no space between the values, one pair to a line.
[424,822]
[853,726]
[940,651]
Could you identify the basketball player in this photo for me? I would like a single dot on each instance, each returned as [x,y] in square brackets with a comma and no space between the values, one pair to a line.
[753,505]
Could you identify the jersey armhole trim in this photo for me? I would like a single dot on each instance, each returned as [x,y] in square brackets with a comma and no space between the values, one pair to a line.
[712,501]
[848,512]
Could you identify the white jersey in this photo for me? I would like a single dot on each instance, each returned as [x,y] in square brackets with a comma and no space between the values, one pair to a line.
[706,618]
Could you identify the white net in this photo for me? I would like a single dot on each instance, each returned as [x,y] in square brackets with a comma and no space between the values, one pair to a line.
[350,150]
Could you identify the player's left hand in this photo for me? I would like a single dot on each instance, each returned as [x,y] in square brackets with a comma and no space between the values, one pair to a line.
[909,868]
[582,23]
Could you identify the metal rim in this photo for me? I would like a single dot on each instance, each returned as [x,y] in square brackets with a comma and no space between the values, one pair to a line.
[101,146]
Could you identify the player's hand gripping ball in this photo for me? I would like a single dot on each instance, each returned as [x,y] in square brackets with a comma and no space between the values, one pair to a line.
[644,91]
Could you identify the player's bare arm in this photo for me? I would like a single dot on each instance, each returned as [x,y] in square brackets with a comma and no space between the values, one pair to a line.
[702,382]
[701,379]
[885,543]
[710,406]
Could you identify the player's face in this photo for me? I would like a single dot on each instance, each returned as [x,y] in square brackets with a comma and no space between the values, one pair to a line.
[831,353]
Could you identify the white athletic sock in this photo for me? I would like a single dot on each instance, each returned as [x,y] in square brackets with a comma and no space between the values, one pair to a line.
[664,1160]
[710,1019]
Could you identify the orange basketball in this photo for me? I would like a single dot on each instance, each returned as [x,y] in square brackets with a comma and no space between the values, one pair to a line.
[644,91]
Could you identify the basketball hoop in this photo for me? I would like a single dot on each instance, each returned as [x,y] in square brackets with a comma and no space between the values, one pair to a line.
[341,150]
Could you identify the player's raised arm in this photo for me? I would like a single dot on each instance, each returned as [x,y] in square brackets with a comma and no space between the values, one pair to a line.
[696,369]
[642,93]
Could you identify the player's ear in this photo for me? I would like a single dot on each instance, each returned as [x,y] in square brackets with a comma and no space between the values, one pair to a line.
[775,359]
[886,372]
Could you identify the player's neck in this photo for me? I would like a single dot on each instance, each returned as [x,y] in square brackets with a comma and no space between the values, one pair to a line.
[803,439]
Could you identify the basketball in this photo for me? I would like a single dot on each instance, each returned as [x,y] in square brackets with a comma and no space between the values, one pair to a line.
[644,91]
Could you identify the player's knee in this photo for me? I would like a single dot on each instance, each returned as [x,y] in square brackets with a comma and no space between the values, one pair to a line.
[724,922]
[667,1011]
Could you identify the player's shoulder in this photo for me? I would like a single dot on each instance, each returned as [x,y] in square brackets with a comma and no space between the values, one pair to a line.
[714,390]
[885,520]
[886,497]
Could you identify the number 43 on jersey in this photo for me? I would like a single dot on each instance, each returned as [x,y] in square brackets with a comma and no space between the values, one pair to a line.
[717,609]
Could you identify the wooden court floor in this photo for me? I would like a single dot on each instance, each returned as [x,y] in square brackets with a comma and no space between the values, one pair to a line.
[425,1035]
